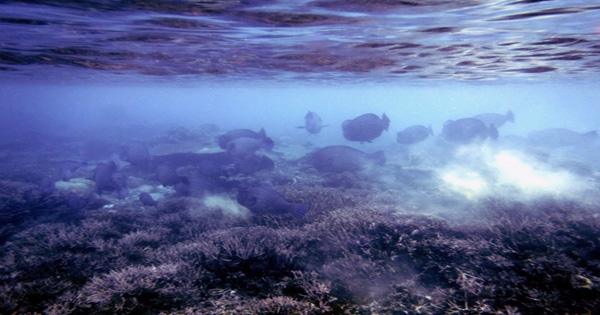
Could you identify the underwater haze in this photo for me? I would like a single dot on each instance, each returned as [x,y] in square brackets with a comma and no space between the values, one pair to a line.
[301,157]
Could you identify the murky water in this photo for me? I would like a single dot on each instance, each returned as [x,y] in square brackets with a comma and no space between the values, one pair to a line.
[300,157]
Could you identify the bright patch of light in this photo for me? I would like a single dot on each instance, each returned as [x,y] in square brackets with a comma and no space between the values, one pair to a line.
[466,182]
[226,205]
[532,177]
[481,170]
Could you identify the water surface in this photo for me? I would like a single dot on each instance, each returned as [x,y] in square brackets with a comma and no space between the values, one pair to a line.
[319,40]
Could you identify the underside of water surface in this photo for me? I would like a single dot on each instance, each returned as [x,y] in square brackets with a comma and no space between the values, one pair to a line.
[300,157]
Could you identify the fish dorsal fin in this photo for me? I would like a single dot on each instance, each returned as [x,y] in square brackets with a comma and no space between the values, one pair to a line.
[386,121]
[591,134]
[430,130]
[262,132]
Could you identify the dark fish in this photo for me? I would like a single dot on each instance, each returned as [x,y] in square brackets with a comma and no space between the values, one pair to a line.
[251,164]
[467,130]
[166,166]
[267,143]
[495,119]
[560,137]
[341,158]
[312,123]
[414,134]
[104,177]
[264,200]
[209,164]
[365,128]
[216,164]
[208,172]
[244,146]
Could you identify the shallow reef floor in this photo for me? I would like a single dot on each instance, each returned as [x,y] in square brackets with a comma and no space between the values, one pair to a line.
[350,254]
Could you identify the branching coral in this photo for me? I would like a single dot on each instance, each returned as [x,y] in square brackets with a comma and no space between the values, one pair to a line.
[137,290]
[351,254]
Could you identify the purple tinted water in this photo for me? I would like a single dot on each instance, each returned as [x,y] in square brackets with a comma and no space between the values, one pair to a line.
[370,40]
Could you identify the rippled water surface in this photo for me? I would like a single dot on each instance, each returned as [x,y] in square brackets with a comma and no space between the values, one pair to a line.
[320,39]
[300,157]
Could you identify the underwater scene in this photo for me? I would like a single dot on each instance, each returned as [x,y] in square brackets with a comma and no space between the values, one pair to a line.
[300,157]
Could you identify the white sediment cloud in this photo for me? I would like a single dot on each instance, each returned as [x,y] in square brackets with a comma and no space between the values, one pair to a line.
[481,170]
[226,205]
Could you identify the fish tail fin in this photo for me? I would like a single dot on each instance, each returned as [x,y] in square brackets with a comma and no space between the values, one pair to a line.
[510,116]
[386,121]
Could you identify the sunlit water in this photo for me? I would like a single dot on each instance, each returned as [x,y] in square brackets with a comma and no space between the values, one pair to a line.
[117,195]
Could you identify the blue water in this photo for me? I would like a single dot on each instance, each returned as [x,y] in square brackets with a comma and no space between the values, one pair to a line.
[251,157]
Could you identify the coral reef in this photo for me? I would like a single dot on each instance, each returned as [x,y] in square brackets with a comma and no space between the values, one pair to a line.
[348,255]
